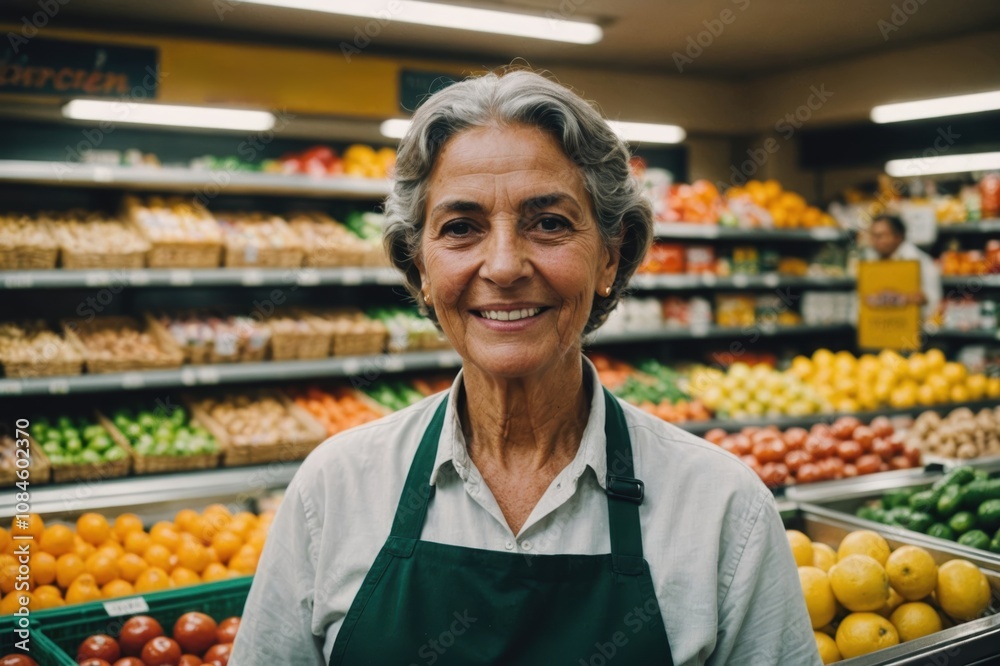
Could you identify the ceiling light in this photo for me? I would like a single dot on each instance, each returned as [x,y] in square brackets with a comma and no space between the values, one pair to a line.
[924,166]
[935,108]
[168,114]
[634,132]
[453,16]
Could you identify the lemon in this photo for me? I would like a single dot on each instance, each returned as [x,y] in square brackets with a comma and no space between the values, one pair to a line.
[864,542]
[912,572]
[860,583]
[935,359]
[861,633]
[802,548]
[915,620]
[824,556]
[827,647]
[892,604]
[962,590]
[820,602]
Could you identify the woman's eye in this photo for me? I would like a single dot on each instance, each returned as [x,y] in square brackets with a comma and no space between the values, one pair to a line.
[552,224]
[457,229]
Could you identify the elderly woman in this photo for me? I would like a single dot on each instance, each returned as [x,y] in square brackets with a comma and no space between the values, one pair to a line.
[526,516]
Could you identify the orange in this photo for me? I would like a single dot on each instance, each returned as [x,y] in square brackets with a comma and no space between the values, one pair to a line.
[93,528]
[245,560]
[217,508]
[82,548]
[242,523]
[212,555]
[187,537]
[47,596]
[12,602]
[117,588]
[193,556]
[57,540]
[103,566]
[137,542]
[184,518]
[151,580]
[34,527]
[126,523]
[6,542]
[206,527]
[214,571]
[8,577]
[130,566]
[226,544]
[165,534]
[256,539]
[68,568]
[182,576]
[112,548]
[157,555]
[83,589]
[43,568]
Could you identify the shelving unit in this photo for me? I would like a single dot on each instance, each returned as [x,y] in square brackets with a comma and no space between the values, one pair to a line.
[649,281]
[600,338]
[693,231]
[971,336]
[972,283]
[988,226]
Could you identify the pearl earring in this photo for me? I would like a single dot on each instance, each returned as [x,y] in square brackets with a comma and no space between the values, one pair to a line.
[607,291]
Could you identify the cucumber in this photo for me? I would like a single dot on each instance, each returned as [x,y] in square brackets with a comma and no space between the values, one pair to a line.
[975,539]
[977,492]
[995,544]
[920,521]
[988,514]
[896,498]
[962,522]
[867,513]
[925,500]
[956,477]
[941,531]
[950,501]
[981,475]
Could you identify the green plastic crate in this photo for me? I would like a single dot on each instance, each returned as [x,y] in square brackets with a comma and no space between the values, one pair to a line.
[67,627]
[41,649]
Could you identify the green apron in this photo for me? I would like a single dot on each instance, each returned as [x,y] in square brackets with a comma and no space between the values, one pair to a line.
[425,603]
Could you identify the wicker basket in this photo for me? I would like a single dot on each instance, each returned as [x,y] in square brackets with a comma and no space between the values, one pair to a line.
[75,259]
[161,464]
[58,357]
[241,252]
[328,243]
[170,354]
[295,335]
[176,253]
[15,254]
[39,468]
[351,332]
[96,471]
[264,447]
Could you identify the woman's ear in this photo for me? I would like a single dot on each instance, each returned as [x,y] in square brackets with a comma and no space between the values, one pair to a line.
[608,270]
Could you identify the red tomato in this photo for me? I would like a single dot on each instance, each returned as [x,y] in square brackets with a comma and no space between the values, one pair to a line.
[94,661]
[161,651]
[850,471]
[190,660]
[715,435]
[809,473]
[900,462]
[821,429]
[864,435]
[17,660]
[100,646]
[750,461]
[219,653]
[136,632]
[832,468]
[749,430]
[896,439]
[849,451]
[882,448]
[774,474]
[129,661]
[226,633]
[796,459]
[882,426]
[195,632]
[742,444]
[912,454]
[795,438]
[821,447]
[843,428]
[868,463]
[770,450]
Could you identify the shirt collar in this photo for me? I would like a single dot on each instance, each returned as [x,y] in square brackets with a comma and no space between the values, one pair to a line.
[593,445]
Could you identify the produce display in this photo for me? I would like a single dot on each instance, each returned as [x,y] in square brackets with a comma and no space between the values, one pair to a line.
[864,596]
[969,314]
[408,330]
[329,243]
[173,220]
[844,449]
[960,434]
[31,349]
[163,432]
[393,395]
[337,409]
[259,419]
[75,441]
[97,558]
[669,258]
[259,239]
[113,344]
[972,203]
[206,336]
[26,243]
[752,391]
[318,161]
[196,638]
[955,261]
[962,506]
[767,205]
[90,240]
[699,203]
[652,386]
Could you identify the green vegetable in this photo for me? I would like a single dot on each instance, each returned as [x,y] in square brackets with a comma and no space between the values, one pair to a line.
[975,539]
[956,477]
[897,497]
[962,522]
[995,544]
[920,521]
[924,501]
[869,513]
[899,516]
[988,514]
[977,492]
[950,501]
[941,531]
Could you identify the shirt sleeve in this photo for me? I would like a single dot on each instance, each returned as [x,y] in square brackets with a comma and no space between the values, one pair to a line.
[277,618]
[762,616]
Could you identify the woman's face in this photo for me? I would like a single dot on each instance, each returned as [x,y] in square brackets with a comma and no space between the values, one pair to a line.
[511,257]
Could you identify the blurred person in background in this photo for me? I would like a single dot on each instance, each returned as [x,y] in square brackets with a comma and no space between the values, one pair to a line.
[888,243]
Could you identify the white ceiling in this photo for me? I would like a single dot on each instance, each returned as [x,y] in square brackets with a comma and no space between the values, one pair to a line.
[763,36]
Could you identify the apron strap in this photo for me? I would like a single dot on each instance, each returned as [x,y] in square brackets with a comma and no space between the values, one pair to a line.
[625,492]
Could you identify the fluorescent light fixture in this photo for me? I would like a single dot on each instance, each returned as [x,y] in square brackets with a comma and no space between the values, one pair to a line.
[924,166]
[637,132]
[452,16]
[121,111]
[935,108]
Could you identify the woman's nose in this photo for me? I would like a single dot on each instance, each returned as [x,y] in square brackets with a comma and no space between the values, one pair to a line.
[507,257]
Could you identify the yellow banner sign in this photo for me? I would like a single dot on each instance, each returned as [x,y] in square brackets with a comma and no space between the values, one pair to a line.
[887,318]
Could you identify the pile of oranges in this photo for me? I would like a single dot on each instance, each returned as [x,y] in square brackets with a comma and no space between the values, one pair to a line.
[103,560]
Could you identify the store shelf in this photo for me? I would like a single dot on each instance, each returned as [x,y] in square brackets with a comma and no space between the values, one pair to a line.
[944,333]
[191,181]
[989,226]
[972,283]
[648,281]
[199,277]
[367,367]
[694,333]
[691,230]
[131,492]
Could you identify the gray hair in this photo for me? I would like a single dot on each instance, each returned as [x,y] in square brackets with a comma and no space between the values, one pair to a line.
[624,217]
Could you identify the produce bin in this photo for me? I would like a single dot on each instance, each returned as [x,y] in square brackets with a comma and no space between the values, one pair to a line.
[42,650]
[68,627]
[964,644]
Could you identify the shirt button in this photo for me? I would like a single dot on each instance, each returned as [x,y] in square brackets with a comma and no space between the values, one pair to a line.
[509,545]
[526,545]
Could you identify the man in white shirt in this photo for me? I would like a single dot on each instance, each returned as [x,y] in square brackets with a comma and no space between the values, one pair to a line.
[888,238]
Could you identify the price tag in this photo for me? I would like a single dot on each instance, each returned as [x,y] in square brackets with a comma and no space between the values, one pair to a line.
[741,281]
[10,387]
[189,377]
[97,279]
[138,278]
[307,278]
[18,281]
[920,221]
[58,386]
[208,375]
[103,174]
[252,277]
[824,233]
[181,278]
[352,366]
[387,276]
[395,364]
[129,606]
[709,280]
[446,360]
[700,329]
[133,380]
[771,280]
[351,276]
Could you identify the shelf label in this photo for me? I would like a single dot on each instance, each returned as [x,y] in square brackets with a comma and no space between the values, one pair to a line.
[741,281]
[208,375]
[351,276]
[97,279]
[252,277]
[129,606]
[103,174]
[307,278]
[10,387]
[18,281]
[188,377]
[387,276]
[181,278]
[771,280]
[446,360]
[709,280]
[394,364]
[58,386]
[133,380]
[352,366]
[699,329]
[824,233]
[139,277]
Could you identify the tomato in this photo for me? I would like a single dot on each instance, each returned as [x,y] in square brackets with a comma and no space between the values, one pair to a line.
[849,451]
[912,454]
[219,653]
[774,474]
[17,660]
[161,651]
[850,471]
[742,444]
[864,435]
[749,430]
[226,633]
[843,428]
[900,462]
[809,473]
[190,660]
[796,459]
[94,661]
[882,448]
[821,429]
[821,447]
[136,632]
[795,438]
[715,435]
[129,661]
[832,468]
[770,450]
[882,426]
[100,646]
[750,461]
[195,632]
[868,463]
[897,441]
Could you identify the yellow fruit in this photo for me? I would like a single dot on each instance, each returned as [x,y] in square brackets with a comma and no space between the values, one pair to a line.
[165,534]
[926,396]
[151,580]
[184,518]
[993,388]
[117,588]
[82,548]
[131,566]
[862,633]
[35,527]
[864,542]
[912,572]
[111,548]
[824,556]
[226,544]
[137,542]
[12,602]
[962,590]
[83,589]
[954,372]
[894,602]
[827,647]
[57,540]
[43,568]
[860,583]
[47,596]
[8,577]
[915,620]
[958,393]
[103,566]
[935,359]
[93,528]
[6,542]
[975,386]
[182,576]
[193,556]
[917,367]
[245,560]
[942,389]
[125,524]
[158,555]
[68,568]
[214,571]
[820,602]
[802,548]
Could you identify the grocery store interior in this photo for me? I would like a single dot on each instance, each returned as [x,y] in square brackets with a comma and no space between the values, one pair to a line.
[195,293]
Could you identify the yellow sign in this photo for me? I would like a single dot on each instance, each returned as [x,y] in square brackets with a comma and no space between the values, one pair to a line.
[887,318]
